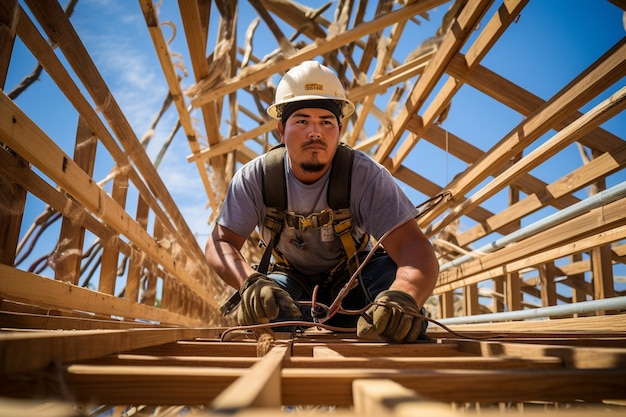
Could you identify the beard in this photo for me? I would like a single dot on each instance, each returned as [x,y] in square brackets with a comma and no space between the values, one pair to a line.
[312,166]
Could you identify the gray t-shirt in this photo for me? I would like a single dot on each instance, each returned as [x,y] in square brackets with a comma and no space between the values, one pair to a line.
[377,204]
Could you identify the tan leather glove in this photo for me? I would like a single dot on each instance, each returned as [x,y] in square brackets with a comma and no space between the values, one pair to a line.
[389,322]
[262,300]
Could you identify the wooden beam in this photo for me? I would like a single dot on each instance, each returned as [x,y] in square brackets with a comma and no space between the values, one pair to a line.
[34,351]
[263,72]
[600,75]
[468,153]
[450,45]
[604,165]
[589,230]
[323,387]
[259,387]
[9,11]
[381,397]
[72,234]
[30,288]
[523,101]
[588,122]
[60,31]
[42,152]
[173,83]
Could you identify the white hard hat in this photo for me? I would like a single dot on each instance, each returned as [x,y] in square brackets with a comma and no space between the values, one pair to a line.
[310,80]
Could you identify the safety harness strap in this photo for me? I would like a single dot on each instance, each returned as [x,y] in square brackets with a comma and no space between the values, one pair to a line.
[338,198]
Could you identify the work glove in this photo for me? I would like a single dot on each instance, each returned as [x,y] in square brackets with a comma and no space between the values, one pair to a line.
[390,320]
[262,300]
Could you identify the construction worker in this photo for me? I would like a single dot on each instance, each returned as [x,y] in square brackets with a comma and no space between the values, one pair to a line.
[309,256]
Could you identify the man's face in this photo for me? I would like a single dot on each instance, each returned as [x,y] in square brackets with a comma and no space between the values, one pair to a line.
[311,136]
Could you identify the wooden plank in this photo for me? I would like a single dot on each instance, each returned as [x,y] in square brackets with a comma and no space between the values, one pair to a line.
[602,273]
[58,200]
[9,11]
[578,129]
[326,352]
[427,362]
[590,225]
[523,101]
[602,74]
[28,140]
[135,263]
[13,195]
[259,387]
[298,16]
[328,386]
[427,187]
[572,357]
[57,26]
[33,351]
[209,349]
[380,397]
[447,304]
[14,201]
[371,349]
[513,291]
[493,30]
[470,300]
[72,234]
[468,153]
[14,320]
[173,83]
[135,384]
[48,59]
[311,51]
[110,257]
[548,286]
[558,191]
[132,359]
[438,105]
[192,386]
[30,288]
[452,42]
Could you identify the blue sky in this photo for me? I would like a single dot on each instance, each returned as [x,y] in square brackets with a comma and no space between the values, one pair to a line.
[551,43]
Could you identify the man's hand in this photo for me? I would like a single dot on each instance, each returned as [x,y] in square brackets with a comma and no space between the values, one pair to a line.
[262,300]
[390,318]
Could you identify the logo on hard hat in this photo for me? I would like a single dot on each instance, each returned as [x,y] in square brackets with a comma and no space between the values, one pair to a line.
[314,87]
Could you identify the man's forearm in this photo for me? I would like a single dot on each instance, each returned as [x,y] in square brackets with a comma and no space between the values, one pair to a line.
[225,257]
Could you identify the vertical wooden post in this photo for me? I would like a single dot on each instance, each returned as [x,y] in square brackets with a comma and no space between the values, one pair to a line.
[578,294]
[151,285]
[601,263]
[498,301]
[72,234]
[166,297]
[548,287]
[8,25]
[12,196]
[135,265]
[602,274]
[110,256]
[513,280]
[470,295]
[446,302]
[513,291]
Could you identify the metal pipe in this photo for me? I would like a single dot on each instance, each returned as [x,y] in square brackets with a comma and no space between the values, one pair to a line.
[604,197]
[614,303]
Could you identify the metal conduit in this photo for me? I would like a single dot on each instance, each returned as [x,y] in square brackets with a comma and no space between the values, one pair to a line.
[614,303]
[604,197]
